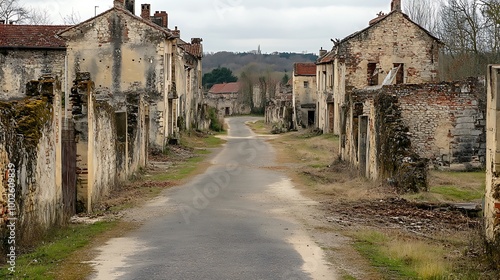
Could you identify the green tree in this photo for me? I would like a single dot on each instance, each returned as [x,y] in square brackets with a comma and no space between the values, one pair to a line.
[285,79]
[218,76]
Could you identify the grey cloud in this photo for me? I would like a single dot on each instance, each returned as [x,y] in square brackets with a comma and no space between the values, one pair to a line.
[240,25]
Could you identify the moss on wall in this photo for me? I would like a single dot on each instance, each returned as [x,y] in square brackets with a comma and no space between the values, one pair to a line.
[398,162]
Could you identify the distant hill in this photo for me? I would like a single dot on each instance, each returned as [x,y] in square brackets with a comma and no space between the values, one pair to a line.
[275,62]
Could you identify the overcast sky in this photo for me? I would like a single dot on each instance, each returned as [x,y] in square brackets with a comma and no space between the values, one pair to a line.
[242,25]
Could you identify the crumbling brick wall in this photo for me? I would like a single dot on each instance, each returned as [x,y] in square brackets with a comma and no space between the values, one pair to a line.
[447,121]
[444,122]
[112,138]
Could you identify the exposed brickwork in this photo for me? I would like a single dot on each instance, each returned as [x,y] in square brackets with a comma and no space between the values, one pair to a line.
[393,39]
[446,123]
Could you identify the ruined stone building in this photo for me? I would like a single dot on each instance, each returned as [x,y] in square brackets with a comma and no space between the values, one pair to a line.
[304,93]
[324,89]
[384,79]
[26,53]
[192,106]
[392,45]
[279,110]
[445,123]
[227,99]
[82,105]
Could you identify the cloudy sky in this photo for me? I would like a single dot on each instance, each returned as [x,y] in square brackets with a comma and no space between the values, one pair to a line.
[242,25]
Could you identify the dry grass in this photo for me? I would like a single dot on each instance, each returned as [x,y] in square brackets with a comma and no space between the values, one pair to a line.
[427,260]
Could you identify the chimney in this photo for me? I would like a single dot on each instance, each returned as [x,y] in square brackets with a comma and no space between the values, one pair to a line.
[176,32]
[196,40]
[162,18]
[146,11]
[130,6]
[396,5]
[119,3]
[322,52]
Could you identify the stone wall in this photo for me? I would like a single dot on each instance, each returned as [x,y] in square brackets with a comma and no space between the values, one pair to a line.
[445,124]
[111,135]
[279,113]
[228,104]
[447,121]
[19,66]
[30,146]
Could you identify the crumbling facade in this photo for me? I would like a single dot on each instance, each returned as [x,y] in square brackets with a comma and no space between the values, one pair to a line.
[31,158]
[108,89]
[279,110]
[391,50]
[124,55]
[26,53]
[304,93]
[444,122]
[188,82]
[324,77]
[227,99]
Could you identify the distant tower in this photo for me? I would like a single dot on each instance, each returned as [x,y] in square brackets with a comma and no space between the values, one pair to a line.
[258,50]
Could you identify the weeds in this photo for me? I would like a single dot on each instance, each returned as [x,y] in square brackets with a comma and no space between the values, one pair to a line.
[44,260]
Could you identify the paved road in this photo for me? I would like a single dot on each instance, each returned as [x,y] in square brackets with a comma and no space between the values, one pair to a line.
[232,222]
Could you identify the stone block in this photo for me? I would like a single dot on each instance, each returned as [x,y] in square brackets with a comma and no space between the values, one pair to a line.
[466,119]
[468,125]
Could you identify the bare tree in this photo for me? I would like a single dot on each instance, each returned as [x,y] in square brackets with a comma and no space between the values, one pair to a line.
[71,19]
[424,12]
[462,26]
[491,13]
[11,11]
[39,17]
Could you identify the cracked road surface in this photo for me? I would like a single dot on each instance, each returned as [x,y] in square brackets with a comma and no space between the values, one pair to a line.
[238,220]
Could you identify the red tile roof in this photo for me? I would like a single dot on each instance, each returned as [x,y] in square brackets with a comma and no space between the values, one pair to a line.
[225,88]
[304,69]
[193,49]
[31,36]
[327,58]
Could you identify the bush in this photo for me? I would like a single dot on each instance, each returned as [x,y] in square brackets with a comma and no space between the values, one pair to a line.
[215,122]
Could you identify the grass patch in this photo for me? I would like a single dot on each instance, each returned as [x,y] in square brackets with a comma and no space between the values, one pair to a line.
[453,193]
[179,171]
[448,186]
[207,141]
[370,244]
[259,127]
[398,257]
[44,261]
[212,141]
